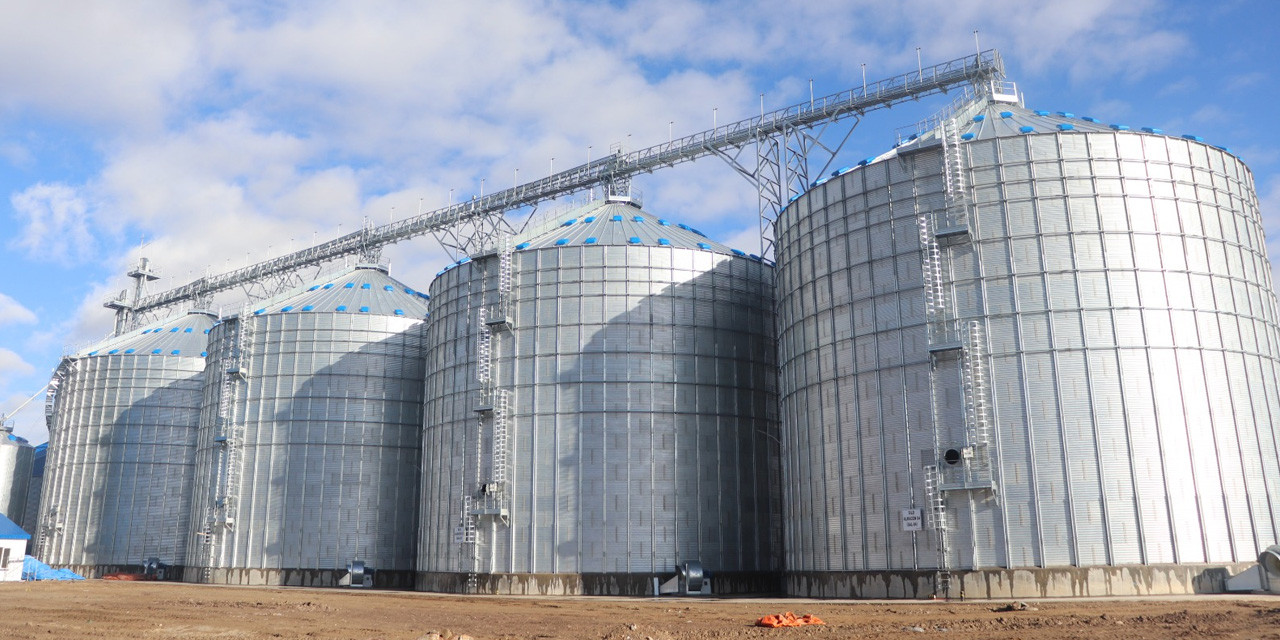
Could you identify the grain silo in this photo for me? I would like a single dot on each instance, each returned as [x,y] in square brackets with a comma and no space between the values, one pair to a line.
[309,438]
[600,409]
[117,479]
[35,485]
[16,456]
[1028,353]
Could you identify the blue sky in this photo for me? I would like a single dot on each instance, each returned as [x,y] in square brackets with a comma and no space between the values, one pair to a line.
[226,132]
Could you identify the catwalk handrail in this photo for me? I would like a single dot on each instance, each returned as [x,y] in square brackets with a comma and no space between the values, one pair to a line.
[969,70]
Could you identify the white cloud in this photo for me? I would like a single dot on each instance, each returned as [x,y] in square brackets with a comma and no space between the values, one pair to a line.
[12,365]
[55,220]
[12,312]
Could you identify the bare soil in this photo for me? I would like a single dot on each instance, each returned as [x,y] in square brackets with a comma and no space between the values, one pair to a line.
[98,609]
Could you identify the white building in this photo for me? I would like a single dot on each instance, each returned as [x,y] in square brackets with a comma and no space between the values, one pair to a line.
[13,548]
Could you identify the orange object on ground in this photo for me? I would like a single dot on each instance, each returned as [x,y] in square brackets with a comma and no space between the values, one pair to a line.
[132,577]
[788,619]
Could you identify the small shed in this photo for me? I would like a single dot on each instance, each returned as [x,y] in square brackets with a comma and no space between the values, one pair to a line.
[13,549]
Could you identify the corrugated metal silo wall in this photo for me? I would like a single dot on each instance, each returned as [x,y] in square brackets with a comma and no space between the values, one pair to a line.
[1124,286]
[642,429]
[34,488]
[327,420]
[117,481]
[15,477]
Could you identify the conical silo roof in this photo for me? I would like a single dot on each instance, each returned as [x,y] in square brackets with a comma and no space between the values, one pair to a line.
[364,289]
[618,224]
[180,335]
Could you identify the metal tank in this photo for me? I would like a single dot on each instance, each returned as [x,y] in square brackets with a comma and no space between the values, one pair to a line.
[16,455]
[309,437]
[122,427]
[32,514]
[601,408]
[1028,354]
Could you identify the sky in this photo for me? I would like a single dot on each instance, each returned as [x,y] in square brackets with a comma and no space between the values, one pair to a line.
[209,135]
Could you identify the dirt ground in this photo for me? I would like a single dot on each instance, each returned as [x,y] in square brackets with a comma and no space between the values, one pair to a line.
[98,609]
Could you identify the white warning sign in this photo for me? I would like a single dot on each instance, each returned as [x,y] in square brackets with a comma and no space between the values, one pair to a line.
[912,519]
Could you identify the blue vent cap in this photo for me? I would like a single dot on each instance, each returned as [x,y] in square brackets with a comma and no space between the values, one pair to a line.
[1189,136]
[126,351]
[1120,127]
[113,352]
[422,295]
[408,291]
[562,241]
[188,330]
[329,286]
[589,219]
[570,222]
[308,307]
[863,162]
[364,309]
[204,354]
[979,118]
[341,307]
[637,219]
[967,136]
[387,287]
[1026,129]
[793,198]
[1152,130]
[366,286]
[698,232]
[841,171]
[286,309]
[93,353]
[173,330]
[259,312]
[1006,114]
[399,312]
[1066,126]
[633,240]
[617,218]
[153,351]
[703,245]
[589,241]
[1227,149]
[664,222]
[1041,112]
[663,241]
[349,285]
[206,332]
[146,331]
[522,245]
[1066,114]
[314,287]
[737,252]
[175,352]
[1089,119]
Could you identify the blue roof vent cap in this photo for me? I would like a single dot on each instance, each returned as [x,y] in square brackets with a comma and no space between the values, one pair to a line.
[793,198]
[570,222]
[173,330]
[1120,127]
[308,307]
[1152,130]
[683,226]
[967,136]
[349,285]
[634,240]
[155,351]
[703,245]
[1041,112]
[1006,114]
[1227,149]
[259,312]
[1066,114]
[1066,126]
[589,219]
[522,245]
[329,286]
[204,354]
[314,287]
[863,162]
[589,241]
[364,309]
[126,351]
[561,242]
[738,252]
[146,331]
[637,219]
[979,118]
[175,352]
[1026,129]
[663,241]
[366,286]
[841,171]
[1189,136]
[399,312]
[113,352]
[664,222]
[1089,119]
[341,307]
[286,309]
[187,330]
[206,332]
[617,218]
[387,287]
[93,353]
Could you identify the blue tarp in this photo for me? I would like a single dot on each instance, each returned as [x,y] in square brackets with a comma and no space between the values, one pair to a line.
[33,569]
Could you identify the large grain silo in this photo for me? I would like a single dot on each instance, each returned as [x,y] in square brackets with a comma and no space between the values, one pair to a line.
[309,438]
[117,480]
[16,456]
[1028,353]
[600,409]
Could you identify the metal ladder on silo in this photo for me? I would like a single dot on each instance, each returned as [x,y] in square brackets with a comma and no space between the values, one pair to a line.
[953,167]
[978,407]
[221,514]
[937,512]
